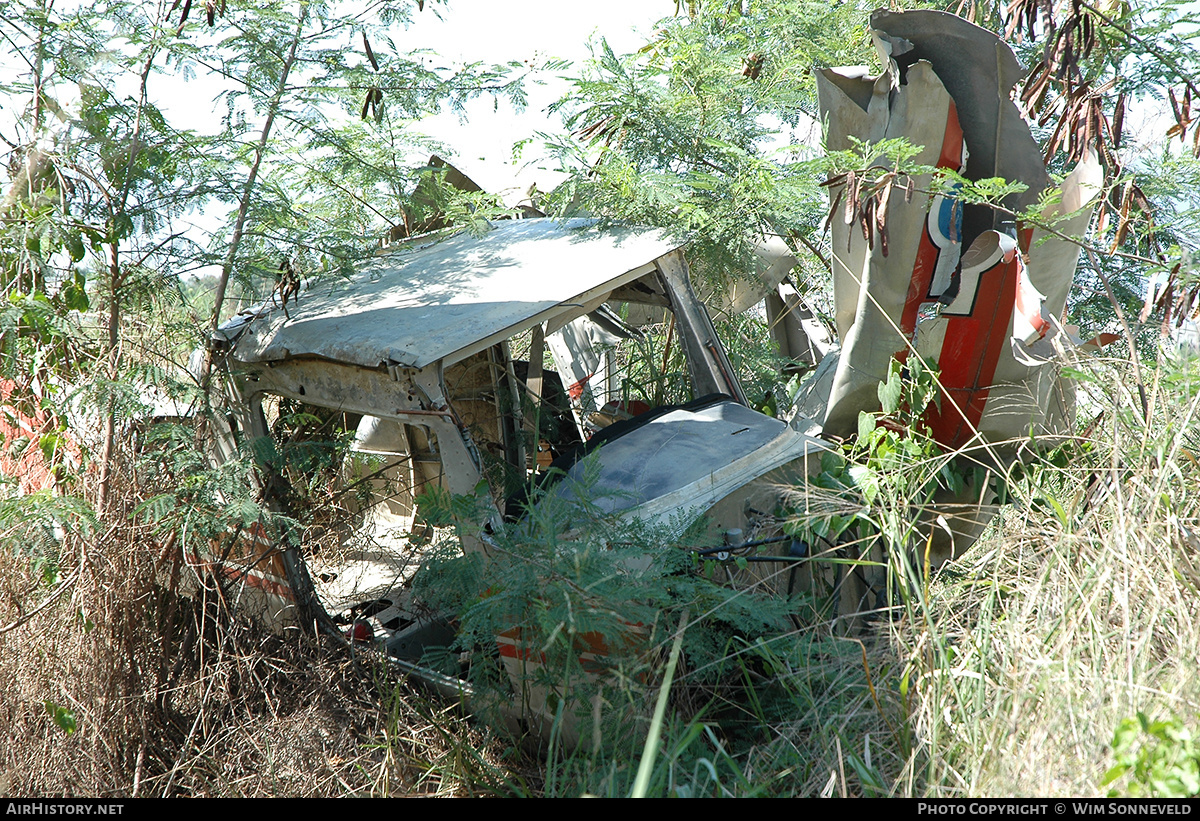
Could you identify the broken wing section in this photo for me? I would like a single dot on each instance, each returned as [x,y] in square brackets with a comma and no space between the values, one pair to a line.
[964,285]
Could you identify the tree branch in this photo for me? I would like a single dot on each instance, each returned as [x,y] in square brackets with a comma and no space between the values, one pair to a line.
[248,189]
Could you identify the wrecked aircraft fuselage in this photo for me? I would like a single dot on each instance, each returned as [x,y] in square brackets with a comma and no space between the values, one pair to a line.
[417,358]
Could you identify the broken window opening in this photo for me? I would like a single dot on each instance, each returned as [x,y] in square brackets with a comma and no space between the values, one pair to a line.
[353,482]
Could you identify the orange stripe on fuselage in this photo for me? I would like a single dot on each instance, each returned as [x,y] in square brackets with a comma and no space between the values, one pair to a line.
[927,252]
[972,348]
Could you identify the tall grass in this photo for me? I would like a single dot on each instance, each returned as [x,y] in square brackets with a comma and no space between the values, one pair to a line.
[1063,623]
[1076,610]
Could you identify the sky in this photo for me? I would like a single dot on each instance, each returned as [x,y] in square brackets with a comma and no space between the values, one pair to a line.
[480,140]
[534,30]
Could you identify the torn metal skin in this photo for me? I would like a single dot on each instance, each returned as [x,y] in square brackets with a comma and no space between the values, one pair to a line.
[964,285]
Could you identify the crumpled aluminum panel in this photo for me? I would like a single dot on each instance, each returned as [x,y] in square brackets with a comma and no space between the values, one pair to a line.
[666,454]
[991,329]
[429,301]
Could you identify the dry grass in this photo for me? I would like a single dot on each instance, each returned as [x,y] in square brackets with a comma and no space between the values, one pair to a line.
[1036,645]
[1010,673]
[175,696]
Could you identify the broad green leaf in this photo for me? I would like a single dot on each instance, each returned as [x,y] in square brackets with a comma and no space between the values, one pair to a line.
[61,716]
[890,392]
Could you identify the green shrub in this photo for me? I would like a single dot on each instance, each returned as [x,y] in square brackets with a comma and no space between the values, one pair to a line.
[1161,759]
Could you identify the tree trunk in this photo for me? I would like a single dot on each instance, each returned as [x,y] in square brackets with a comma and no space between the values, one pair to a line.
[251,179]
